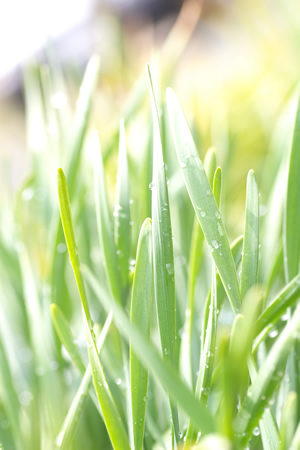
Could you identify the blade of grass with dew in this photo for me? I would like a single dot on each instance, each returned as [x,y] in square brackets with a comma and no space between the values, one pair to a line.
[267,380]
[251,236]
[141,305]
[122,227]
[163,259]
[196,256]
[110,413]
[68,429]
[268,425]
[291,235]
[277,308]
[161,368]
[203,201]
[206,358]
[104,225]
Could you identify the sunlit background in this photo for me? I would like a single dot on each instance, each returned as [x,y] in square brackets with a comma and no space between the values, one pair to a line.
[235,66]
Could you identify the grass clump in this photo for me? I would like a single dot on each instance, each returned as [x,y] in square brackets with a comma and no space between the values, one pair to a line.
[170,354]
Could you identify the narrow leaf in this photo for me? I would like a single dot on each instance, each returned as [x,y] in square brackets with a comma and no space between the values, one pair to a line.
[104,225]
[122,229]
[251,236]
[141,303]
[203,200]
[163,260]
[110,413]
[291,235]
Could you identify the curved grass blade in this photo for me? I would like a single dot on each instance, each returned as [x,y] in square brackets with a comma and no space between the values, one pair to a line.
[141,303]
[163,259]
[104,225]
[68,429]
[251,236]
[267,380]
[203,201]
[161,368]
[291,235]
[110,413]
[122,229]
[277,308]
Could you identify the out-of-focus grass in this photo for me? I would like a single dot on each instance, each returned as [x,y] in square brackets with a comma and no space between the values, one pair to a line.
[236,79]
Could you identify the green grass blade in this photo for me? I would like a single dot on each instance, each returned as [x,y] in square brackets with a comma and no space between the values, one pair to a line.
[267,380]
[217,185]
[104,225]
[163,260]
[291,235]
[207,357]
[161,368]
[65,335]
[203,201]
[68,429]
[122,227]
[84,106]
[277,308]
[288,421]
[141,302]
[110,413]
[268,425]
[251,236]
[195,259]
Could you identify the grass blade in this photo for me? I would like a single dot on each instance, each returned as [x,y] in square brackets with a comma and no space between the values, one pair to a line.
[287,297]
[203,201]
[122,227]
[291,236]
[65,335]
[267,380]
[104,225]
[251,236]
[68,429]
[141,302]
[163,260]
[110,413]
[162,369]
[207,357]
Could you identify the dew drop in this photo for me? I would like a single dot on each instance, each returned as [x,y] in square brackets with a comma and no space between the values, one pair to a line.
[170,268]
[151,186]
[256,431]
[182,164]
[118,381]
[215,244]
[61,248]
[218,215]
[273,333]
[202,213]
